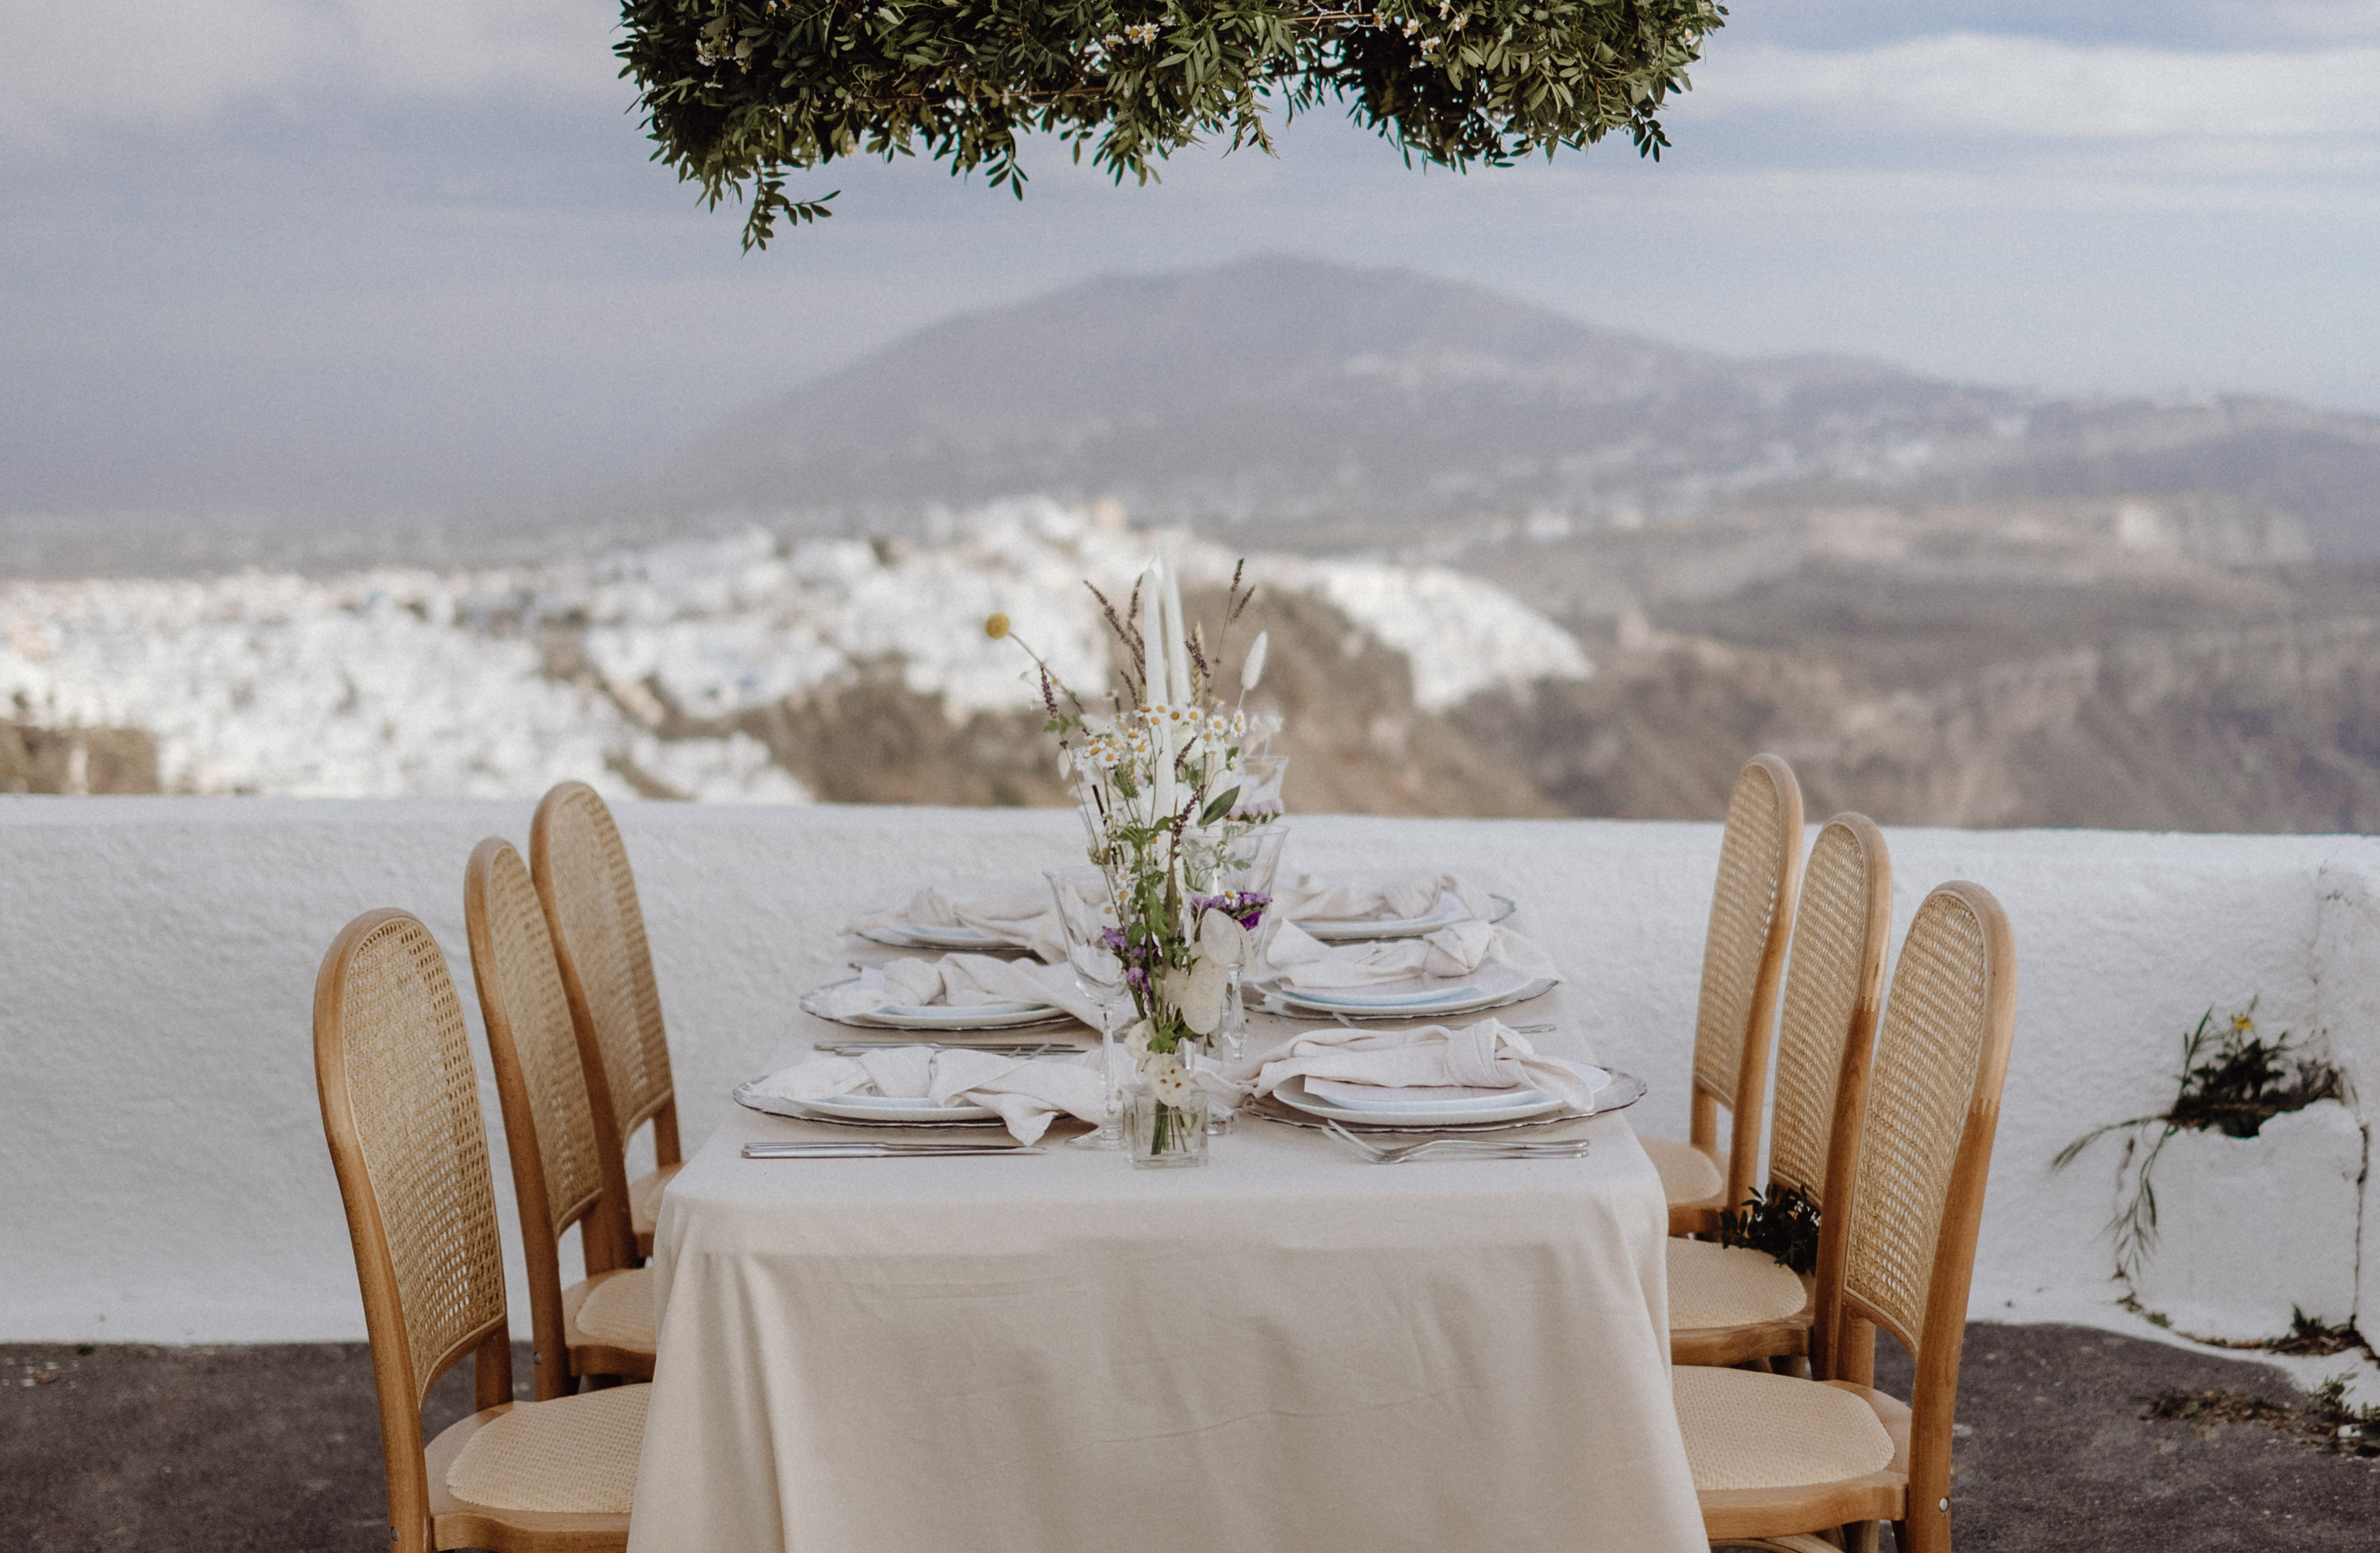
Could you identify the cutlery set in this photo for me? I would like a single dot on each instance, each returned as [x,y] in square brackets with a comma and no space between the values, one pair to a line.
[885,1150]
[1454,1148]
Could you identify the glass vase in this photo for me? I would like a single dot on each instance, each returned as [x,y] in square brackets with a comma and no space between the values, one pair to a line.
[1162,1134]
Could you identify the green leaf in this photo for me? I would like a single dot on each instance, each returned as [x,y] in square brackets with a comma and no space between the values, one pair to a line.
[1220,806]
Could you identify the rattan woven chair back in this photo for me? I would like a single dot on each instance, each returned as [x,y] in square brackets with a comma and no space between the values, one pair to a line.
[1917,1169]
[1744,959]
[1826,1025]
[401,1112]
[549,1116]
[589,899]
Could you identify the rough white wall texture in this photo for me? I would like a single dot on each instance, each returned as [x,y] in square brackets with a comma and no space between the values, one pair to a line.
[2227,1266]
[162,1170]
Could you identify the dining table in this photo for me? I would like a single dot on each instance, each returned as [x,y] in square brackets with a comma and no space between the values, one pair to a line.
[1288,1349]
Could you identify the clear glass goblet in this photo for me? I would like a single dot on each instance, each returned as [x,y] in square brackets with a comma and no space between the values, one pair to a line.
[1247,865]
[1087,914]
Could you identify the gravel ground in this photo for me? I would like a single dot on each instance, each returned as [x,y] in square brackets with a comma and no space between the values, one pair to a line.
[276,1448]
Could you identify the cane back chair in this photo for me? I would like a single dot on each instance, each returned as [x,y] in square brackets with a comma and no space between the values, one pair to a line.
[589,898]
[1777,1459]
[1744,958]
[602,1325]
[1729,1303]
[401,1113]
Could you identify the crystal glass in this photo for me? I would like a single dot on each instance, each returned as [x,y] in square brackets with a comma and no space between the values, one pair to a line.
[1087,914]
[1248,864]
[1260,784]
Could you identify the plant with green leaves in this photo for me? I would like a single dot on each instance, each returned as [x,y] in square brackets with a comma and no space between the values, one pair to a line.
[2233,1082]
[737,93]
[1782,1222]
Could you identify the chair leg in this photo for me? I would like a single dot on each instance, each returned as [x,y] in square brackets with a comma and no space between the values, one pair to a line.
[1860,1536]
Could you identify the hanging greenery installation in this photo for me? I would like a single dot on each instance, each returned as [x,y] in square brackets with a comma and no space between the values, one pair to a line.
[738,92]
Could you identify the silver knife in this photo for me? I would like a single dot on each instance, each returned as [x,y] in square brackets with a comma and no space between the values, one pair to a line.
[875,1150]
[1039,1049]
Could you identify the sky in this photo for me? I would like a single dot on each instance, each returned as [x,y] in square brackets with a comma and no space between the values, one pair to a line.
[352,255]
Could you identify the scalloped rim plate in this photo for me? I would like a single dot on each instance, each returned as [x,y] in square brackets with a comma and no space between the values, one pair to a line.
[900,1016]
[1520,1108]
[1624,1090]
[865,1116]
[1365,929]
[1275,998]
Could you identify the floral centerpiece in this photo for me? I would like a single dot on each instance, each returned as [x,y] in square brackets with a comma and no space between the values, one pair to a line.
[1159,774]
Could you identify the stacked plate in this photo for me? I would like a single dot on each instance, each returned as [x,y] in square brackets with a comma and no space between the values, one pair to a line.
[934,1016]
[1613,1091]
[872,1110]
[1449,911]
[1420,997]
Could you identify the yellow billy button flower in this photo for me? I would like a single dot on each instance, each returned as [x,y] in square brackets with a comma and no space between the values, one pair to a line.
[995,626]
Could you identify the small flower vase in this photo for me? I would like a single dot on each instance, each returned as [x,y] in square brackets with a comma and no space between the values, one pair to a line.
[1165,1112]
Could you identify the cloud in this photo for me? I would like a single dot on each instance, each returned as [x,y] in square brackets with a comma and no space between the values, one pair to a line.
[1970,84]
[172,62]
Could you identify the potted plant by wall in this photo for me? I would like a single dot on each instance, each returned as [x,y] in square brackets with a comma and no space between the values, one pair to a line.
[2237,1206]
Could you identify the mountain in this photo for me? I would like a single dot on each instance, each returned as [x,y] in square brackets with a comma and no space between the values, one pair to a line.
[1355,406]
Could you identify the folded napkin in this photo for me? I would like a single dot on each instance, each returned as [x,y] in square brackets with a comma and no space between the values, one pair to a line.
[1365,897]
[1023,915]
[1434,1063]
[1296,959]
[956,981]
[1027,1092]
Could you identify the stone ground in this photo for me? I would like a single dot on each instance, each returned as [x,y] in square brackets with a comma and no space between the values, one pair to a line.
[276,1448]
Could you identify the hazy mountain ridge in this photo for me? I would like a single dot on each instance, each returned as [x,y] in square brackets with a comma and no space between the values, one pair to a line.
[1374,405]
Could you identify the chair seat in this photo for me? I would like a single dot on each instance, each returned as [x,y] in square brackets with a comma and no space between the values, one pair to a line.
[645,1204]
[1713,1285]
[614,1309]
[574,1456]
[1694,1184]
[1773,1456]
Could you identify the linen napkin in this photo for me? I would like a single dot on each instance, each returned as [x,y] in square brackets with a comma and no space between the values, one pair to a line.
[1296,959]
[1435,1062]
[1363,897]
[956,981]
[1019,913]
[1027,1092]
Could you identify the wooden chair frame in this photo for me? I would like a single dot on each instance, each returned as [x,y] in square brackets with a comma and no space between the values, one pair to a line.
[1758,1034]
[606,1243]
[617,1116]
[1801,1333]
[1913,1492]
[424,1516]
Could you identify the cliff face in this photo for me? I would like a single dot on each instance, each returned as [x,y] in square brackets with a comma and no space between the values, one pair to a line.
[2260,729]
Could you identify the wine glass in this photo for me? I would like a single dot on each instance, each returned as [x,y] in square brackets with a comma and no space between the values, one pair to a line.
[1261,778]
[1245,867]
[1087,914]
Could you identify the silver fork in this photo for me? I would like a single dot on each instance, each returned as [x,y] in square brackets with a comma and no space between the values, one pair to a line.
[1456,1148]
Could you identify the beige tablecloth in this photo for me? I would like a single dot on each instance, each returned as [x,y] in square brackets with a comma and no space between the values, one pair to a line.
[1286,1349]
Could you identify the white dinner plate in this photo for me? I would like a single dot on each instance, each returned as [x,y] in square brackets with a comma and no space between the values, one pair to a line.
[888,1108]
[1492,986]
[937,934]
[872,1110]
[935,1016]
[1388,1102]
[1614,1091]
[1520,1105]
[1360,930]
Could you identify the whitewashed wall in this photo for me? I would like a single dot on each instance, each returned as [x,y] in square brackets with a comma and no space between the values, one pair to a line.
[163,1176]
